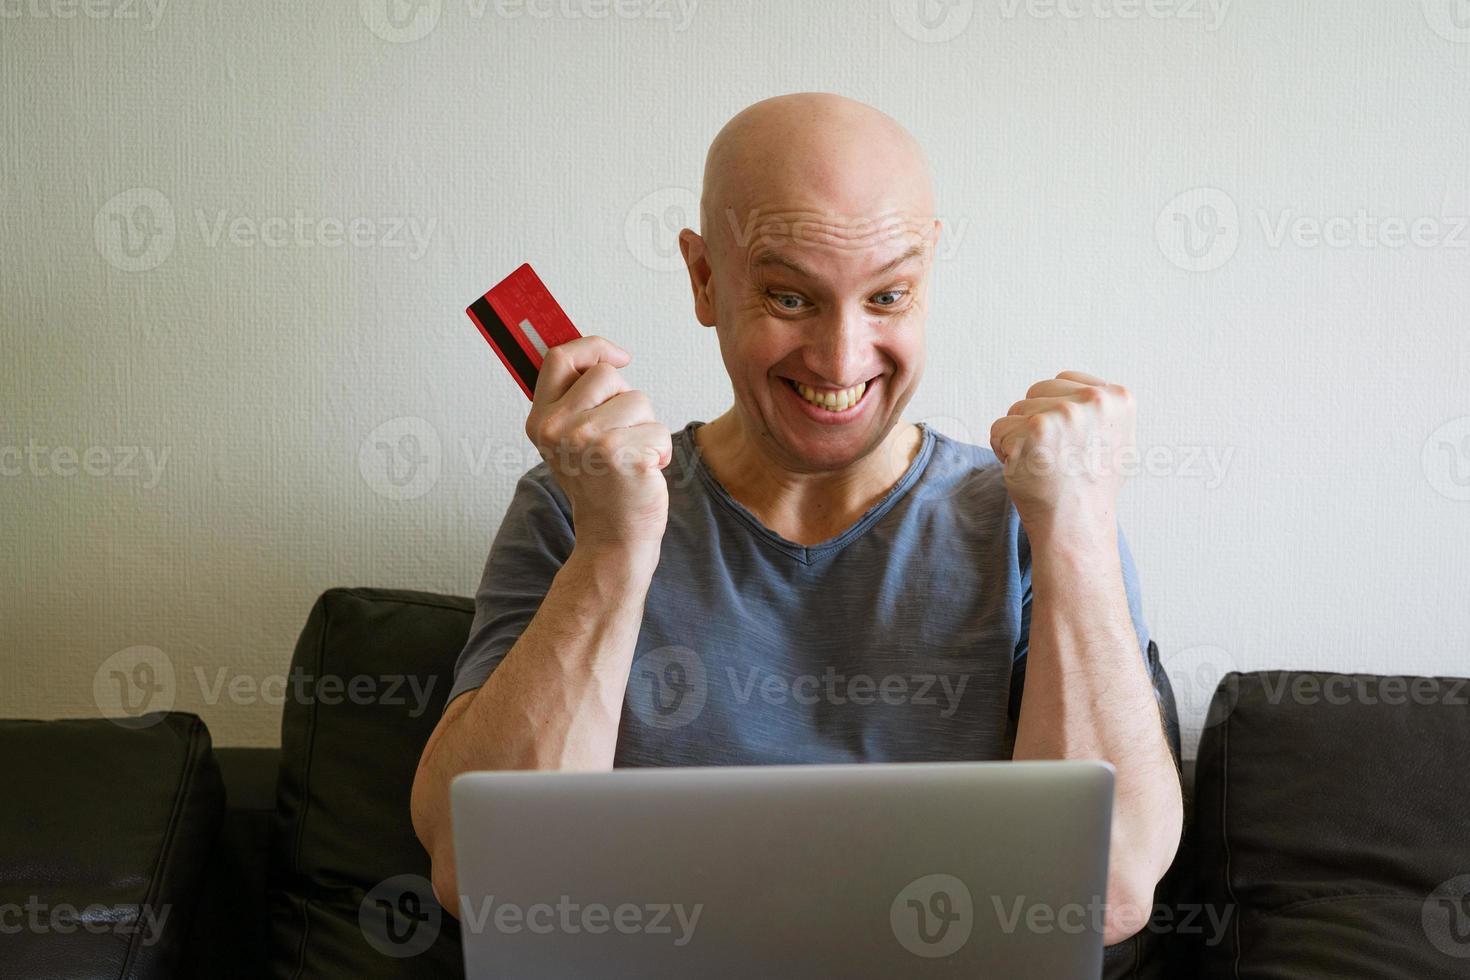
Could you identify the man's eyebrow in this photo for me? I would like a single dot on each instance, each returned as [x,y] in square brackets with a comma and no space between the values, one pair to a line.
[776,258]
[914,251]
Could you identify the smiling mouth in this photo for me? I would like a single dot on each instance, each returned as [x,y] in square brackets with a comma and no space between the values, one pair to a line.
[833,400]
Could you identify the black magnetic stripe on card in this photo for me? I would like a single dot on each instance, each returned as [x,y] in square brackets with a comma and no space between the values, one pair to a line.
[505,341]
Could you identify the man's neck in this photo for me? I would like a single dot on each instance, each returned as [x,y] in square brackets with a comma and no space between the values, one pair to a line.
[804,506]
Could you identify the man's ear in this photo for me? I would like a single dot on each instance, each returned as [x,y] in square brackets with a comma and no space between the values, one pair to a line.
[701,276]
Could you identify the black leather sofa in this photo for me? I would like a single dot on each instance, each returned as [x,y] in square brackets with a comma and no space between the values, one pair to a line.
[1328,827]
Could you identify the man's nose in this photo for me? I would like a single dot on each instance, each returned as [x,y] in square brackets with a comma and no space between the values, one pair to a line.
[842,352]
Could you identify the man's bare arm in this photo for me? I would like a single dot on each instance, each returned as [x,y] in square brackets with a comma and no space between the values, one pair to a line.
[554,702]
[1088,696]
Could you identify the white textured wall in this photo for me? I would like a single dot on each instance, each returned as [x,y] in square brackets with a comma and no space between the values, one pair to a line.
[1329,381]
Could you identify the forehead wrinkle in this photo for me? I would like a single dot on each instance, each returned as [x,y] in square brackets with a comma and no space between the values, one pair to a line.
[824,227]
[763,257]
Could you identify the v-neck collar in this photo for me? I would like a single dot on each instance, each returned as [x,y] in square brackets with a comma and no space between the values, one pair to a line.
[808,554]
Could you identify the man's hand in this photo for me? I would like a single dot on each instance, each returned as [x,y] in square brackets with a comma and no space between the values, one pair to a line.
[1061,446]
[604,445]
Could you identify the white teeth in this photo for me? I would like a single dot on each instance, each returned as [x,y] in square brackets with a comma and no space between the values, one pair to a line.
[833,401]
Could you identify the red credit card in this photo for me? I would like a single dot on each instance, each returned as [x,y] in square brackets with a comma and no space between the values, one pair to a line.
[521,322]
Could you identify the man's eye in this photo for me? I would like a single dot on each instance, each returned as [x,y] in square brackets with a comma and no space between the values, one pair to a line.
[889,297]
[788,301]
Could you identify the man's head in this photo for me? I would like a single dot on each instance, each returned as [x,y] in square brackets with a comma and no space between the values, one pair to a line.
[817,235]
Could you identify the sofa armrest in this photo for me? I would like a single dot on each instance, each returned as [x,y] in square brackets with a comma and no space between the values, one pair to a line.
[1334,840]
[107,827]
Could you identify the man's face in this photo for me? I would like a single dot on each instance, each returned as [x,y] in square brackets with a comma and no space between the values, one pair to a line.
[833,303]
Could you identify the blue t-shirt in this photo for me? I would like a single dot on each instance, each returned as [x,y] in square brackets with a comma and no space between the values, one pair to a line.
[902,639]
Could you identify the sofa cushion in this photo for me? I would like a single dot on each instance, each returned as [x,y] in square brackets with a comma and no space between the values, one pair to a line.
[116,820]
[351,896]
[1333,827]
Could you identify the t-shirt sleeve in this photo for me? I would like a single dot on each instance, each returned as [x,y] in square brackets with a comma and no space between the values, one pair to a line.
[534,541]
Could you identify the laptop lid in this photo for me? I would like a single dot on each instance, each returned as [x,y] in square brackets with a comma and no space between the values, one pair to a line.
[854,871]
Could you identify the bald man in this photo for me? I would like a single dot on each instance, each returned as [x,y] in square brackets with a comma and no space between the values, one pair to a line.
[809,577]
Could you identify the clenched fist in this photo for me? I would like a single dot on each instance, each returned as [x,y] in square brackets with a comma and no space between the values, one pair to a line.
[604,446]
[1062,446]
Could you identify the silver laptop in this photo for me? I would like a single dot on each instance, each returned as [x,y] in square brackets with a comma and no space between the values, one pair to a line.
[952,869]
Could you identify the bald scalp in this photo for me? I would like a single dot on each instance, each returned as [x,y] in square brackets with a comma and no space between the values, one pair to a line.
[813,166]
